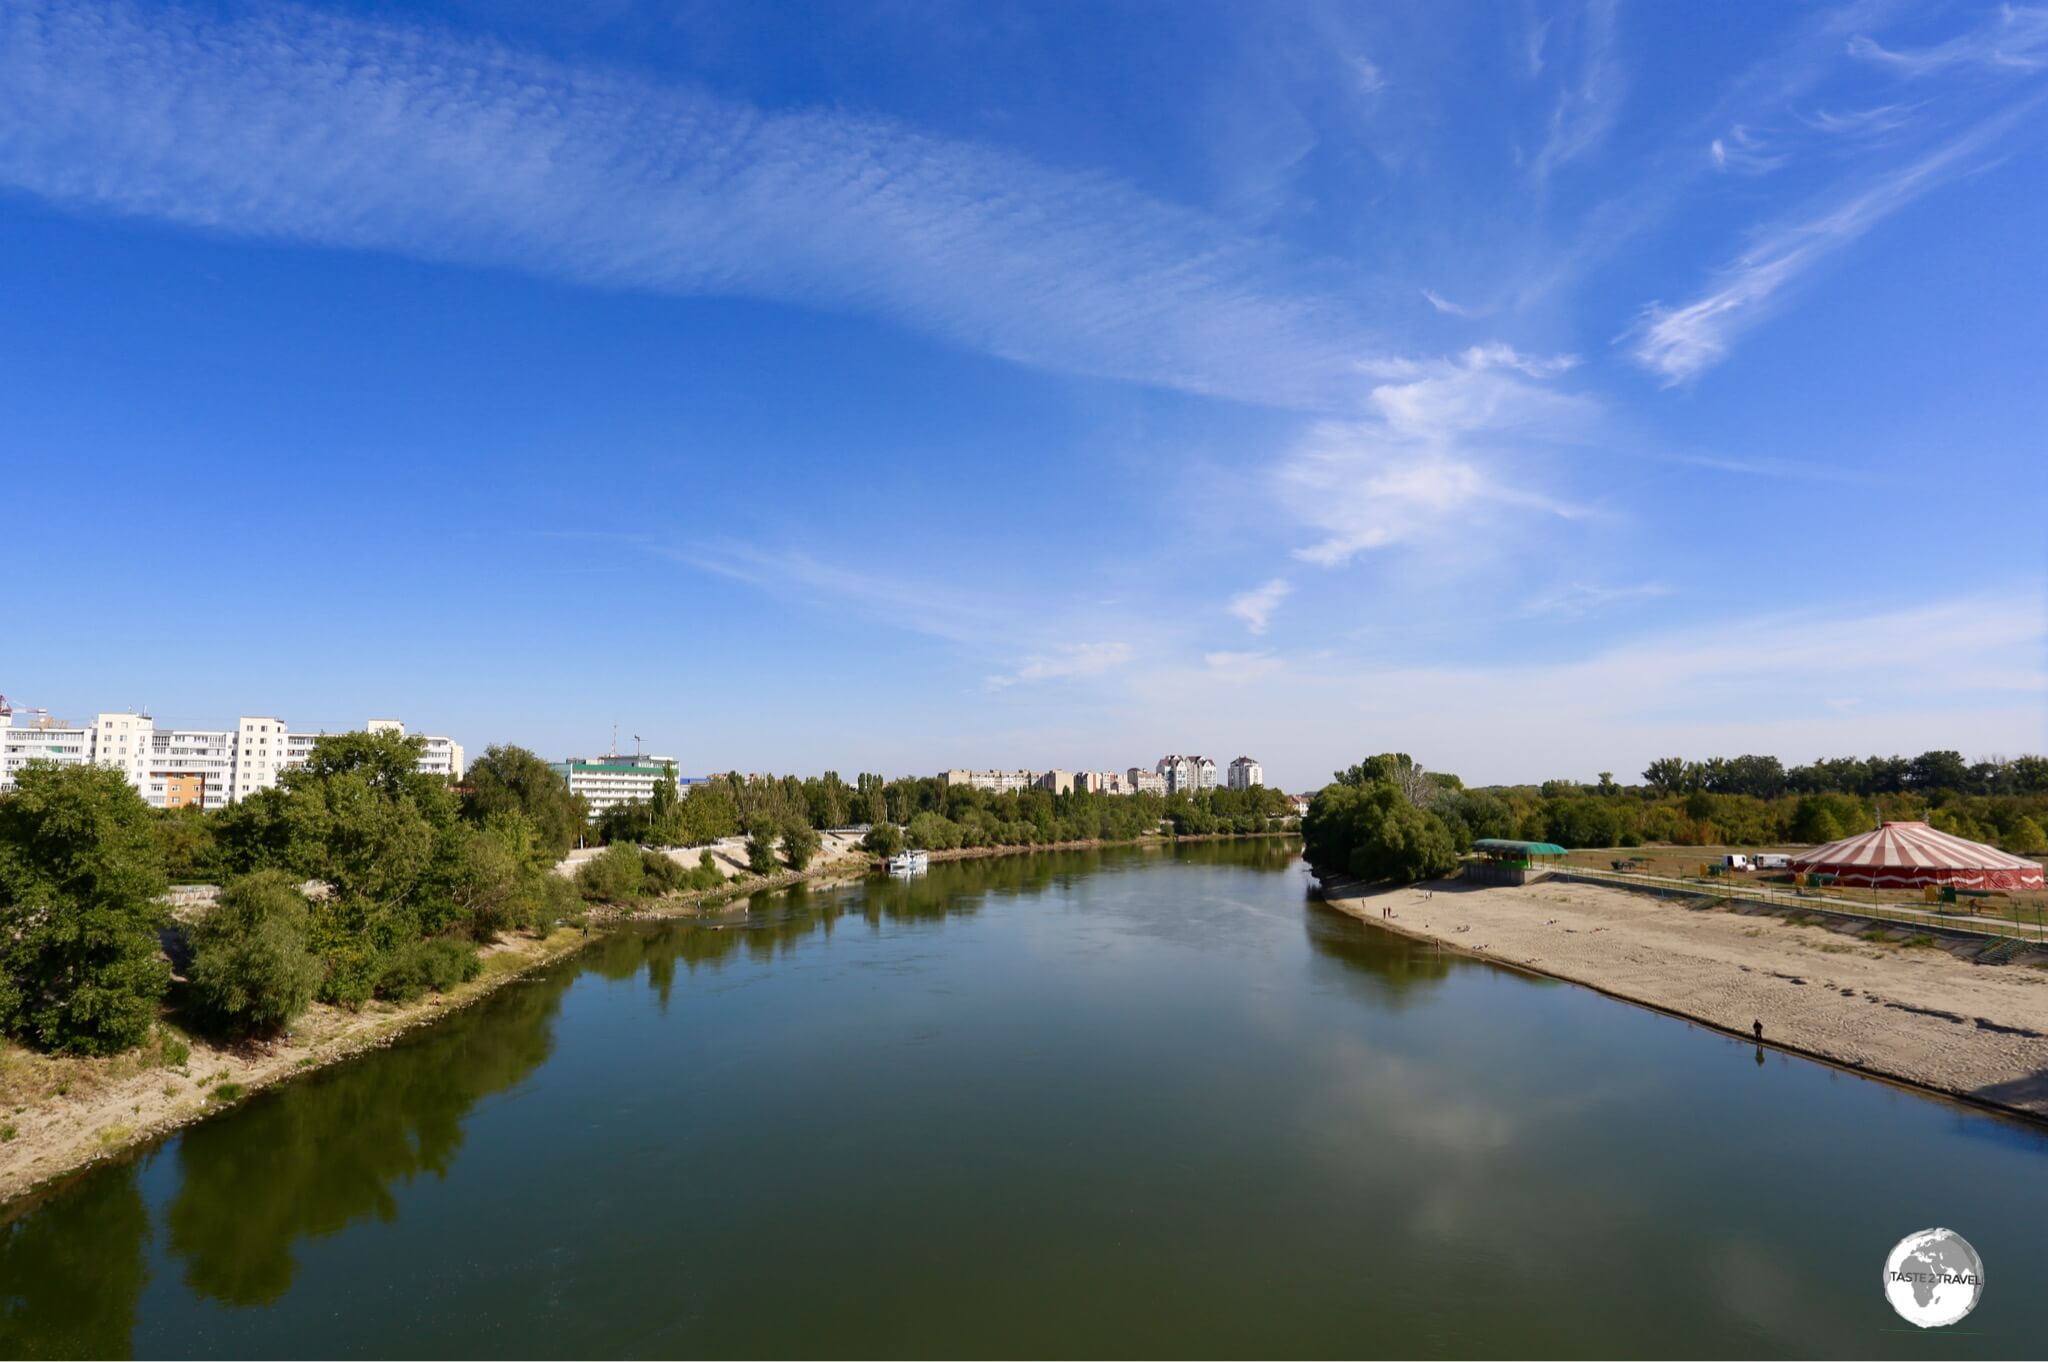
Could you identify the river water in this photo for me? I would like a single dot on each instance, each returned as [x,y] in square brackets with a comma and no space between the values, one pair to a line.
[1121,1102]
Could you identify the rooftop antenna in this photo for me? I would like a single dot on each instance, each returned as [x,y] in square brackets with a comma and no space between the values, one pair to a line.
[615,737]
[636,747]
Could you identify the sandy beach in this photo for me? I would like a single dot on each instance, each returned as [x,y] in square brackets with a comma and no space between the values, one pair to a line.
[1913,1014]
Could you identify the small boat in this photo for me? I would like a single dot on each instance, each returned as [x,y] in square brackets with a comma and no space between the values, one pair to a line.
[909,863]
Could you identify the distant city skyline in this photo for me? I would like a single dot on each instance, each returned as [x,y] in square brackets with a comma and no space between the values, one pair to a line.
[1538,391]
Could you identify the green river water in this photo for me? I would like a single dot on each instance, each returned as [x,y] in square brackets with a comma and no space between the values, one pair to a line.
[1125,1102]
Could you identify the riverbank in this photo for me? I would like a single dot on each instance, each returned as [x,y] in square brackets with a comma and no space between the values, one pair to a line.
[1912,1014]
[62,1114]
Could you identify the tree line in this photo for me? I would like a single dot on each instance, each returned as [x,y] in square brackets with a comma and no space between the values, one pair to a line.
[1388,818]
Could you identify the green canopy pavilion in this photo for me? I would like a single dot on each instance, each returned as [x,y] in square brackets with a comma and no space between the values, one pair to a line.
[1502,860]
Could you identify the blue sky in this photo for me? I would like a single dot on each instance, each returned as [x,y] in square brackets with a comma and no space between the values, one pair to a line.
[1539,389]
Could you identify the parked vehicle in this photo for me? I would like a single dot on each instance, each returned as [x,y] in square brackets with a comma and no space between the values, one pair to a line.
[1735,860]
[1773,860]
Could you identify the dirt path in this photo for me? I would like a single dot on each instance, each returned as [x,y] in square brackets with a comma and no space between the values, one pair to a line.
[1914,1014]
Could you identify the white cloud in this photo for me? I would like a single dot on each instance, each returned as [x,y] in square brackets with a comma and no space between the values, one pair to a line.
[1238,668]
[1678,342]
[1581,598]
[2016,39]
[1430,454]
[1445,305]
[1067,661]
[1255,607]
[1368,76]
[292,126]
[1585,111]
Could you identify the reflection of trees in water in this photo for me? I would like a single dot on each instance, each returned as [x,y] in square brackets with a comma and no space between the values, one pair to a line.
[777,921]
[1399,965]
[310,1157]
[72,1271]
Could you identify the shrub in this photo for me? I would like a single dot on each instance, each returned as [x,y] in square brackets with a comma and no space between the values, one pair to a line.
[614,877]
[175,1052]
[252,966]
[438,964]
[884,839]
[351,976]
[661,874]
[228,1092]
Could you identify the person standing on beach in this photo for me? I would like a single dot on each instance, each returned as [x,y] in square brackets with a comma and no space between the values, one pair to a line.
[1758,1027]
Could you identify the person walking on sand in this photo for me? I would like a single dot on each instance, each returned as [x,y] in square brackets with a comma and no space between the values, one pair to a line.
[1758,1027]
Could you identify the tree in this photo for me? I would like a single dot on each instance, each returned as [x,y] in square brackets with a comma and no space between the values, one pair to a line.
[761,851]
[252,961]
[2024,836]
[1372,832]
[800,843]
[1666,775]
[80,875]
[513,780]
[883,839]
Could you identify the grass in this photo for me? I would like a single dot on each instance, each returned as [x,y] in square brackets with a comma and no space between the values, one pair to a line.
[7,1133]
[228,1092]
[110,1136]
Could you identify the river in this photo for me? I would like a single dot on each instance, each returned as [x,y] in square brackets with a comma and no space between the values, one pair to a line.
[1119,1102]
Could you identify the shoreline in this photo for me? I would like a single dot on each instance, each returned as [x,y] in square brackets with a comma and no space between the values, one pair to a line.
[1974,1035]
[58,1138]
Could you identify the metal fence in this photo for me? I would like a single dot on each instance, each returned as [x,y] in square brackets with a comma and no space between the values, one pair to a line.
[1991,929]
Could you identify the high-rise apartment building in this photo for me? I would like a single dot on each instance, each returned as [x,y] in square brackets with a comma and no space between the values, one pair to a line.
[1245,773]
[184,767]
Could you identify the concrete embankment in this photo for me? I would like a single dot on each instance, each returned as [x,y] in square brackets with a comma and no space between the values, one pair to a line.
[1910,1013]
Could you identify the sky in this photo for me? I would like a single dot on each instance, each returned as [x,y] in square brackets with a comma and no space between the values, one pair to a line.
[1538,389]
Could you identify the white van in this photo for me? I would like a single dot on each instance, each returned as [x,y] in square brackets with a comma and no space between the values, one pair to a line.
[1772,860]
[1735,860]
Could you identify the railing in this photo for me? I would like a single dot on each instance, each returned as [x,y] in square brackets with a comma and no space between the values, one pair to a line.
[1772,896]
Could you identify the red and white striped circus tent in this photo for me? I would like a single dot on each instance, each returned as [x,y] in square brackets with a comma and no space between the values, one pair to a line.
[1902,855]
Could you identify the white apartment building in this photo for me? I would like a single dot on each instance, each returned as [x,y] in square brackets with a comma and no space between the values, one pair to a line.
[440,757]
[1143,781]
[1176,772]
[180,767]
[609,781]
[1245,773]
[997,782]
[1101,782]
[1204,773]
[1059,782]
[36,736]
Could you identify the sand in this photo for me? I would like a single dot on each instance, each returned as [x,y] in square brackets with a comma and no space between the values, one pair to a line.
[1913,1014]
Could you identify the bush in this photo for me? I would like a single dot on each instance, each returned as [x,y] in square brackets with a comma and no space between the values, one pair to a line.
[351,976]
[884,839]
[438,964]
[253,968]
[660,874]
[617,876]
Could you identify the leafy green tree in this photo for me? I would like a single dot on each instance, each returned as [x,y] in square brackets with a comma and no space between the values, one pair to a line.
[761,851]
[253,966]
[800,843]
[80,874]
[883,839]
[191,853]
[2024,836]
[513,780]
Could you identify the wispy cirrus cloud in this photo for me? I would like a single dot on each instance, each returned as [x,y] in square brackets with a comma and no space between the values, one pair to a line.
[1679,342]
[292,126]
[2014,38]
[1065,662]
[1585,109]
[1256,607]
